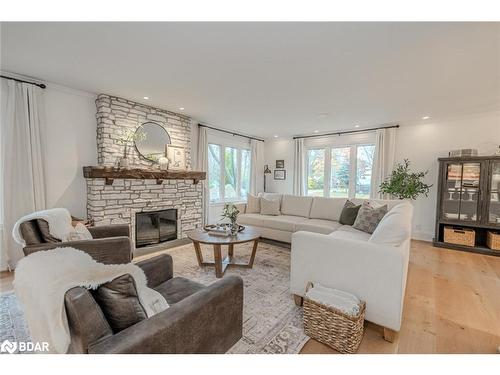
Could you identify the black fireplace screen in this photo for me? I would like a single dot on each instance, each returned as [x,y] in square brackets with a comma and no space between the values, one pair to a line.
[155,226]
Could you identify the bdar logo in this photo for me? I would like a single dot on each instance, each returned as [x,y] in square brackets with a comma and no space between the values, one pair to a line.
[8,347]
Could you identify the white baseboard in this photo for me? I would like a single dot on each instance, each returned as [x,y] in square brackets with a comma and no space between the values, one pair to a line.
[422,236]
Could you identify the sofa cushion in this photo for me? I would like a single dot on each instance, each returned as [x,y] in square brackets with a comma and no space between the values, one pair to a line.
[349,213]
[250,219]
[327,208]
[283,222]
[369,217]
[253,204]
[269,207]
[295,205]
[395,226]
[347,232]
[178,288]
[119,301]
[390,203]
[318,226]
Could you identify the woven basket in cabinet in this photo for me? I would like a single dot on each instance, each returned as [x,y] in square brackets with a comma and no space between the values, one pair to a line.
[332,327]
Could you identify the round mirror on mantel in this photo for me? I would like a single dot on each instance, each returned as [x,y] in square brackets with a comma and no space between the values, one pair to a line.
[151,140]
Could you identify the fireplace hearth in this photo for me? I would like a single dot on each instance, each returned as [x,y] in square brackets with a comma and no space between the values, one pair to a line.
[154,227]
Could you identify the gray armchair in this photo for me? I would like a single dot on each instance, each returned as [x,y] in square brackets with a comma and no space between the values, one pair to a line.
[200,319]
[110,243]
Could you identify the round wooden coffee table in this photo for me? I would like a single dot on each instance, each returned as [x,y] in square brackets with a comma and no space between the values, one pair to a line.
[199,236]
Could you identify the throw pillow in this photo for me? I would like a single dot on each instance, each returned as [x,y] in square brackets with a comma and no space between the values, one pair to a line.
[253,204]
[119,302]
[79,233]
[369,217]
[349,213]
[44,230]
[269,207]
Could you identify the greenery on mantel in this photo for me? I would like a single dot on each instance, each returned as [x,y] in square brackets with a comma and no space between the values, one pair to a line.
[405,184]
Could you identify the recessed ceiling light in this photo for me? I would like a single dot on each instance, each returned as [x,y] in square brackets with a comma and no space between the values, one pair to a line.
[181,108]
[426,117]
[316,131]
[146,98]
[356,126]
[275,136]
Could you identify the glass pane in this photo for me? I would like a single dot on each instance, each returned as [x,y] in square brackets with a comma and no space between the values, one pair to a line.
[214,169]
[340,171]
[494,208]
[364,165]
[451,191]
[245,173]
[470,190]
[230,177]
[315,172]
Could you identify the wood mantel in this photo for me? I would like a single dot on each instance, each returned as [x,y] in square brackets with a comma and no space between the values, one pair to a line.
[111,173]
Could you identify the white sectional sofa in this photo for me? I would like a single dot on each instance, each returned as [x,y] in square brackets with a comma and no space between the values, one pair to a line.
[371,266]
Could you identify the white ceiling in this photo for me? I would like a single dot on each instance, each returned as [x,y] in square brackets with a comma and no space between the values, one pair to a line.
[271,78]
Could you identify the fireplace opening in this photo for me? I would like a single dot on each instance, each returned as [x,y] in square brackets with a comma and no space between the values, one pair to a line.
[154,227]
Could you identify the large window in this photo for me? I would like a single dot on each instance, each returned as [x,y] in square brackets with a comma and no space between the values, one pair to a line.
[340,172]
[228,173]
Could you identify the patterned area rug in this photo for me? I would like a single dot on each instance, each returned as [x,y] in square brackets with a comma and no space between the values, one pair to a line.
[271,321]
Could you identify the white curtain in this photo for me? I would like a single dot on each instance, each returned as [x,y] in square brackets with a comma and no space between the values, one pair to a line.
[384,157]
[202,165]
[257,167]
[299,175]
[21,163]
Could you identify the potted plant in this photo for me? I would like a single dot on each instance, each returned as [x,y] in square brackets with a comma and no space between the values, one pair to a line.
[231,212]
[405,184]
[127,137]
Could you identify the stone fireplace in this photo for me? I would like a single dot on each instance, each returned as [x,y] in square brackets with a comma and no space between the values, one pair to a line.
[115,196]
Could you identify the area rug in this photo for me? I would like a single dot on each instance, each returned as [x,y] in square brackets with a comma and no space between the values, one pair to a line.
[271,321]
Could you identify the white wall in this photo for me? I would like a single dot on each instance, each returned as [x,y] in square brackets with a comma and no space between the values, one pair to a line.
[422,142]
[69,137]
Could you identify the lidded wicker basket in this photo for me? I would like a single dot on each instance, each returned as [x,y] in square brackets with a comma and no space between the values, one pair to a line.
[333,327]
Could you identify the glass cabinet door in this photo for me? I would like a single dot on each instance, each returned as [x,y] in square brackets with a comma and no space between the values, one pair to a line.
[494,194]
[461,192]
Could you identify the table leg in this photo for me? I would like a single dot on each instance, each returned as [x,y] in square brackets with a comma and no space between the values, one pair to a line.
[218,261]
[197,250]
[254,250]
[230,251]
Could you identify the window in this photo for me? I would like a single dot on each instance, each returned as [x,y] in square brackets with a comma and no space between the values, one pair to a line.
[340,172]
[228,173]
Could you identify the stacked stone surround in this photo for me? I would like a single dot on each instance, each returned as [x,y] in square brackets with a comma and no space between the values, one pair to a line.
[118,203]
[114,115]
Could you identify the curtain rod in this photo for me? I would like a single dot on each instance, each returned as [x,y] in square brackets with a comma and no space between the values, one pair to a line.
[230,132]
[41,85]
[345,132]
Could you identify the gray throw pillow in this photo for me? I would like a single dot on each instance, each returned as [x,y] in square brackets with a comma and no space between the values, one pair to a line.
[44,230]
[349,213]
[119,301]
[269,207]
[369,217]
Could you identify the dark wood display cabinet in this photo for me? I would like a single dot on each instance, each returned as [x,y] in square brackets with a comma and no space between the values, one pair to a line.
[469,197]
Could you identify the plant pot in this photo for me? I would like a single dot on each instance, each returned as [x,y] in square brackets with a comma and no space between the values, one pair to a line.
[234,229]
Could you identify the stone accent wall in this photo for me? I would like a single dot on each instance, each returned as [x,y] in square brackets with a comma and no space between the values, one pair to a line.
[118,203]
[115,114]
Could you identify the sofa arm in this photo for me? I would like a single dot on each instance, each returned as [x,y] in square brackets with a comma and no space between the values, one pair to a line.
[375,273]
[104,231]
[208,321]
[114,250]
[158,269]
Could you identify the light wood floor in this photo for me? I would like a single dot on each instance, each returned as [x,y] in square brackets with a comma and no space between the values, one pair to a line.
[452,305]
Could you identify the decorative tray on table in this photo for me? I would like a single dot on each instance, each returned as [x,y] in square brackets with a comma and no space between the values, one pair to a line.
[223,230]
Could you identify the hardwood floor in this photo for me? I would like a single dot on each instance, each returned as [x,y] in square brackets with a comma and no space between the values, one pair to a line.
[452,305]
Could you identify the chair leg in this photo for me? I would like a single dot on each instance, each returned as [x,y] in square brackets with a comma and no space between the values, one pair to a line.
[390,335]
[298,300]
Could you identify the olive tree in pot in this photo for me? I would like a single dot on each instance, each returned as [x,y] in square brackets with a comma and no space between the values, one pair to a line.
[405,184]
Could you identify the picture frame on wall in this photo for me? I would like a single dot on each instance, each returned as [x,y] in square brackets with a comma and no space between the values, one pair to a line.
[280,164]
[177,158]
[279,174]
